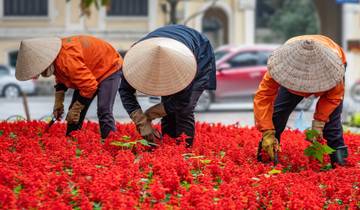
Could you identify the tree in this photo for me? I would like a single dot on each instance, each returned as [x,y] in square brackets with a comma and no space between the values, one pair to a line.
[295,18]
[86,4]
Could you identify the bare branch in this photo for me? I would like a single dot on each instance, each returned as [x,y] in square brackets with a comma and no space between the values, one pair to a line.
[199,12]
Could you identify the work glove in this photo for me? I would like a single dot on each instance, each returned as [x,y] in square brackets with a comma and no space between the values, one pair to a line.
[156,111]
[269,143]
[319,127]
[73,115]
[58,109]
[143,126]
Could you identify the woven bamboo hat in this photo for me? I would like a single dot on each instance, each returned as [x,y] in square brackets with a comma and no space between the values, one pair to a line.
[35,55]
[159,66]
[306,66]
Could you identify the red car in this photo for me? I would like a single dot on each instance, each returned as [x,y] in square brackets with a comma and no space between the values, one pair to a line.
[239,72]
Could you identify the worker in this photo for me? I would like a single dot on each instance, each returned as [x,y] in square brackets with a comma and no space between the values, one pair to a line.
[304,66]
[87,64]
[176,63]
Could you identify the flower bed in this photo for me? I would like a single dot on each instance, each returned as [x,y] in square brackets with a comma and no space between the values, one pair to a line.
[49,171]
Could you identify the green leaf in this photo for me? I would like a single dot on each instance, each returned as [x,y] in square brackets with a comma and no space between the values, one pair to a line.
[150,175]
[123,144]
[185,184]
[167,197]
[274,171]
[12,135]
[205,161]
[17,189]
[318,151]
[126,138]
[222,154]
[78,152]
[327,150]
[311,134]
[1,132]
[74,191]
[96,206]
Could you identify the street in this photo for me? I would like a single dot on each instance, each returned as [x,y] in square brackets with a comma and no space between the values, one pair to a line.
[240,113]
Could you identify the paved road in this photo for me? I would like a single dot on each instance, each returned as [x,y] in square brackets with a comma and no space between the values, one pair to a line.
[224,113]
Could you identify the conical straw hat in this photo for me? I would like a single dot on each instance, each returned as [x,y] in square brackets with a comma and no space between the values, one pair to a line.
[35,55]
[159,66]
[306,66]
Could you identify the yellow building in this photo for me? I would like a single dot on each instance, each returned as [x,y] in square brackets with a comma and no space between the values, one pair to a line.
[229,21]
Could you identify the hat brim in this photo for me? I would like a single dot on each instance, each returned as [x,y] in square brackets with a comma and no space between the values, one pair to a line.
[35,55]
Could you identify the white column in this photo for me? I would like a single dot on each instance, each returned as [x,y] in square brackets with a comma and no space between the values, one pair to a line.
[152,8]
[249,26]
[248,7]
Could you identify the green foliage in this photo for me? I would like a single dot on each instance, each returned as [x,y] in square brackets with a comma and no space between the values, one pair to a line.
[96,206]
[17,189]
[311,135]
[274,171]
[78,152]
[1,132]
[294,18]
[318,151]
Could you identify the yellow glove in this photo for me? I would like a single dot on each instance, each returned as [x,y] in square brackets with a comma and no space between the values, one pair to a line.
[318,126]
[143,125]
[156,111]
[58,109]
[73,115]
[270,143]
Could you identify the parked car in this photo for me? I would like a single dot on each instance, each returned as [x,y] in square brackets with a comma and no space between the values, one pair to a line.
[10,87]
[239,72]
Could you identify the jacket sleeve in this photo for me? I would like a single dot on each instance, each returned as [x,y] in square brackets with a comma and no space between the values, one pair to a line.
[127,95]
[264,103]
[178,101]
[328,103]
[79,74]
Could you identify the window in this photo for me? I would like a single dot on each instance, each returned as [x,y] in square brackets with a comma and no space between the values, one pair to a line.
[244,59]
[220,54]
[263,57]
[25,8]
[12,58]
[128,8]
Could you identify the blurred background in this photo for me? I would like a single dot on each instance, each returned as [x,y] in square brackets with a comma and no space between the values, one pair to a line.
[243,32]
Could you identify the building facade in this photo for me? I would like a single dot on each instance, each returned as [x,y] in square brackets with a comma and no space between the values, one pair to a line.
[122,22]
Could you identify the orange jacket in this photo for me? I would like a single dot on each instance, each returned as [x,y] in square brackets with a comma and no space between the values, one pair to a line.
[268,89]
[83,62]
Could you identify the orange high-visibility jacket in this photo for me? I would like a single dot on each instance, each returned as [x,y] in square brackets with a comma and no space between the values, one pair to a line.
[268,89]
[83,62]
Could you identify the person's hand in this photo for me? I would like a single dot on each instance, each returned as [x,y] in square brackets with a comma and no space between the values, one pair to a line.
[269,143]
[319,127]
[143,126]
[73,115]
[58,109]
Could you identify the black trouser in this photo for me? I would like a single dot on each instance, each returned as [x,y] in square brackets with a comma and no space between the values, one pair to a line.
[182,121]
[106,94]
[286,102]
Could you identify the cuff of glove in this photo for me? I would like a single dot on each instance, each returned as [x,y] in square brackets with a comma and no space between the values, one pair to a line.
[138,117]
[156,111]
[318,124]
[83,100]
[60,87]
[268,133]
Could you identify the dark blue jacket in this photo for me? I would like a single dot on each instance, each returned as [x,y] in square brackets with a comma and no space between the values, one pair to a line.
[205,78]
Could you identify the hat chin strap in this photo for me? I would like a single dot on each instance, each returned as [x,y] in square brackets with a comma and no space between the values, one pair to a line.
[49,71]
